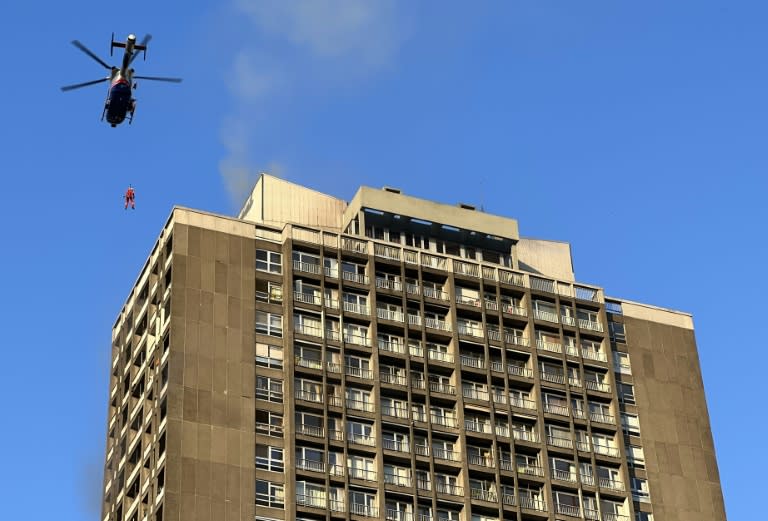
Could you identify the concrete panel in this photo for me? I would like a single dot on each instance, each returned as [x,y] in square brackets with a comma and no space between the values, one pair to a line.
[548,258]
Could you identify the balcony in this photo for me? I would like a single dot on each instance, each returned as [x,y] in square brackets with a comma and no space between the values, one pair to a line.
[336,506]
[363,474]
[414,320]
[547,316]
[567,510]
[591,354]
[311,465]
[332,334]
[438,387]
[418,383]
[308,298]
[443,454]
[578,413]
[309,396]
[476,426]
[353,338]
[335,401]
[335,435]
[530,470]
[560,410]
[599,417]
[310,430]
[563,443]
[394,285]
[464,268]
[474,394]
[563,475]
[551,347]
[493,333]
[307,267]
[516,340]
[468,301]
[610,516]
[445,421]
[412,289]
[433,261]
[393,379]
[386,252]
[571,350]
[591,514]
[336,470]
[423,484]
[362,439]
[587,479]
[471,361]
[476,332]
[551,376]
[452,490]
[483,495]
[583,446]
[514,310]
[508,499]
[567,321]
[305,500]
[522,403]
[421,450]
[440,356]
[392,347]
[593,385]
[398,515]
[354,245]
[359,405]
[308,329]
[605,450]
[333,367]
[502,430]
[436,323]
[491,305]
[395,412]
[387,314]
[309,363]
[398,446]
[360,509]
[519,370]
[434,293]
[574,381]
[358,372]
[611,484]
[360,309]
[359,278]
[331,272]
[590,325]
[531,503]
[398,481]
[483,461]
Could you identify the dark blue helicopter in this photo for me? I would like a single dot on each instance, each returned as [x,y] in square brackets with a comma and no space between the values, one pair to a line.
[120,102]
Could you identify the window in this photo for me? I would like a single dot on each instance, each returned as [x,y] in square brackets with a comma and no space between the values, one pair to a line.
[269,261]
[269,458]
[269,494]
[310,494]
[616,331]
[268,291]
[269,389]
[362,503]
[269,423]
[269,356]
[309,424]
[310,459]
[640,491]
[447,515]
[643,516]
[269,323]
[621,363]
[627,393]
[635,456]
[308,390]
[630,423]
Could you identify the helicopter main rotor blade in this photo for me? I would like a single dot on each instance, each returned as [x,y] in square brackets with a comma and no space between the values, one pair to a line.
[158,78]
[142,43]
[85,84]
[90,53]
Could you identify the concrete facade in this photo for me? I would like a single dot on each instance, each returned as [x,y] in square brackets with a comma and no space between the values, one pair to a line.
[325,361]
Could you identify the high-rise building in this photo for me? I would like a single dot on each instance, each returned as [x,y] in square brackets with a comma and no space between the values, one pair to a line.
[399,359]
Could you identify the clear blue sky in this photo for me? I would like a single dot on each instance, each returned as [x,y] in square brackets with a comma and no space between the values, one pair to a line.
[636,131]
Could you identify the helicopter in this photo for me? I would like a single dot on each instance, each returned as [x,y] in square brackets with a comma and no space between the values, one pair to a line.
[119,102]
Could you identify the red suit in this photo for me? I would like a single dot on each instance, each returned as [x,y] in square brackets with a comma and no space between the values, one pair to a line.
[129,198]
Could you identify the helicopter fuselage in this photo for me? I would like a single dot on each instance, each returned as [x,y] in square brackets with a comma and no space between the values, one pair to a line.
[119,100]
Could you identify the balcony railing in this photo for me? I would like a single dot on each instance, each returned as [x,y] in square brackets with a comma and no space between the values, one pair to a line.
[307,267]
[309,363]
[364,474]
[530,470]
[519,370]
[475,426]
[567,510]
[574,382]
[605,450]
[421,450]
[602,418]
[352,338]
[563,475]
[434,293]
[445,488]
[474,394]
[354,277]
[394,285]
[423,484]
[514,279]
[393,379]
[418,383]
[307,329]
[308,298]
[310,430]
[468,301]
[502,430]
[358,372]
[552,347]
[359,405]
[440,356]
[438,387]
[436,323]
[563,443]
[398,446]
[332,334]
[354,307]
[448,455]
[470,331]
[386,252]
[591,354]
[397,480]
[311,465]
[523,403]
[483,495]
[550,376]
[514,310]
[611,484]
[433,261]
[335,401]
[483,461]
[516,340]
[360,509]
[398,515]
[508,499]
[331,272]
[305,500]
[414,320]
[354,245]
[491,305]
[388,314]
[395,412]
[578,413]
[413,289]
[464,268]
[525,435]
[446,421]
[593,385]
[309,396]
[567,320]
[560,410]
[333,367]
[336,506]
[361,439]
[583,446]
[471,361]
[587,479]
[533,503]
[610,516]
[547,316]
[335,435]
[392,347]
[590,325]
